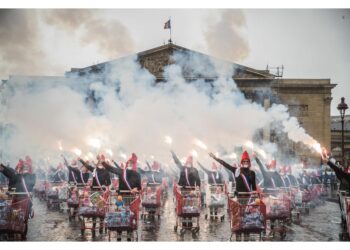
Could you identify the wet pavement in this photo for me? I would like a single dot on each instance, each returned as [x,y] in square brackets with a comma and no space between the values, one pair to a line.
[322,224]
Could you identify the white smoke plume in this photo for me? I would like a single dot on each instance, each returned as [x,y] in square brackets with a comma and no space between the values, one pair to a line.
[20,43]
[224,37]
[139,116]
[22,32]
[110,36]
[292,128]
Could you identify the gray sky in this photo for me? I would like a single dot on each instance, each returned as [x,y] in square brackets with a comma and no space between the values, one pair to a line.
[309,43]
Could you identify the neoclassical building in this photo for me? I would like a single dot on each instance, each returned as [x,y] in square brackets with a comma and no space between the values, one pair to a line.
[307,99]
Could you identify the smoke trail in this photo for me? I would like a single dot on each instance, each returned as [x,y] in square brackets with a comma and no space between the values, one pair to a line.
[292,128]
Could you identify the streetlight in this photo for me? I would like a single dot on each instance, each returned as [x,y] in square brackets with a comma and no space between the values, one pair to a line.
[342,106]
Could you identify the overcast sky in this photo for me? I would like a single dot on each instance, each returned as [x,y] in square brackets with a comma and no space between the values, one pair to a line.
[309,43]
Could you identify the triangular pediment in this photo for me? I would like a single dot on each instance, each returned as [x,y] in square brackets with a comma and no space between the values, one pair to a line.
[155,60]
[194,64]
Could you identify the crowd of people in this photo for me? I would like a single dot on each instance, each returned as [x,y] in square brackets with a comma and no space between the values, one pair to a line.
[99,174]
[246,179]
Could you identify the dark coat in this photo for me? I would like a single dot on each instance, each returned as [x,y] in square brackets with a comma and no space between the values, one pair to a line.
[214,177]
[80,178]
[191,173]
[71,175]
[240,184]
[56,175]
[152,176]
[102,174]
[272,179]
[9,173]
[286,181]
[278,179]
[292,180]
[315,180]
[132,177]
[16,180]
[343,177]
[304,180]
[2,179]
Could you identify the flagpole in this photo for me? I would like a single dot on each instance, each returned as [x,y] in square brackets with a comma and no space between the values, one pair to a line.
[170,30]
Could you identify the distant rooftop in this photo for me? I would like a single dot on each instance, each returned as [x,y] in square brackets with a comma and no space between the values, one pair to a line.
[336,122]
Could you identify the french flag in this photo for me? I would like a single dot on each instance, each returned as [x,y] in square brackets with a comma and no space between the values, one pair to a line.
[167,25]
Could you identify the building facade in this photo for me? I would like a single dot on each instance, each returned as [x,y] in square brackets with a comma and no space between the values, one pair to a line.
[308,100]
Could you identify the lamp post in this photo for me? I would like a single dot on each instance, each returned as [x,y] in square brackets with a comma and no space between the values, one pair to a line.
[342,107]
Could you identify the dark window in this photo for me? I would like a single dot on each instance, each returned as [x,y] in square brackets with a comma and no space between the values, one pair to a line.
[298,110]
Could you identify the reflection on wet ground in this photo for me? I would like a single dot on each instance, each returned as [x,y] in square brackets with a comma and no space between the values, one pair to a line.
[322,224]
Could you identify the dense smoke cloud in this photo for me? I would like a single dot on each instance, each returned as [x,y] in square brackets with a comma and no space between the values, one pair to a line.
[139,116]
[67,19]
[20,43]
[110,36]
[22,48]
[224,36]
